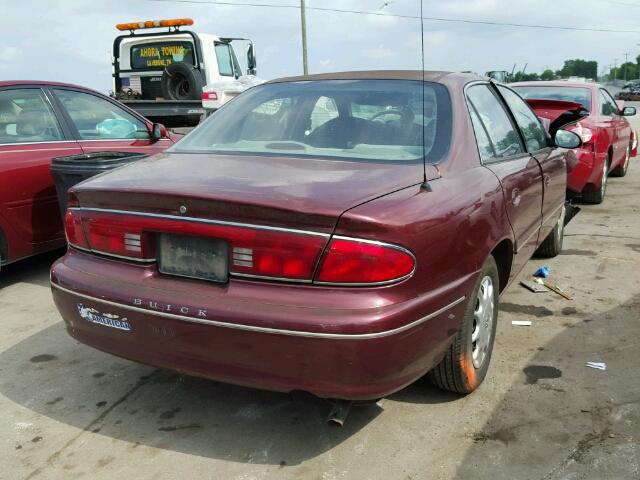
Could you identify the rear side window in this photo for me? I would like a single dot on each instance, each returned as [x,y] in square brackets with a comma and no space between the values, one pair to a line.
[26,117]
[530,126]
[159,55]
[98,119]
[490,120]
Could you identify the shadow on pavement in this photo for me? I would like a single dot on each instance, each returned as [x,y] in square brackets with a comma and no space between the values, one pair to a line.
[562,419]
[53,375]
[34,270]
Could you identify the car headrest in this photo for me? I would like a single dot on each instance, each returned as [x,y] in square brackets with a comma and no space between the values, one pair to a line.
[32,122]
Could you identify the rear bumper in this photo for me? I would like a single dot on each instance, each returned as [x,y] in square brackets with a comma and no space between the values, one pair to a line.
[277,337]
[587,172]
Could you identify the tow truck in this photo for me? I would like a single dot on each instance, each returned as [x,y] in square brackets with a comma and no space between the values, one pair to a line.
[161,73]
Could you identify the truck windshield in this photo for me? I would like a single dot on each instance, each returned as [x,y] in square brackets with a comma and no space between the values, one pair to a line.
[161,54]
[569,94]
[382,120]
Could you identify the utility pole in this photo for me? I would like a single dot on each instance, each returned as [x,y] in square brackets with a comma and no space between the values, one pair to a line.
[303,21]
[615,69]
[626,60]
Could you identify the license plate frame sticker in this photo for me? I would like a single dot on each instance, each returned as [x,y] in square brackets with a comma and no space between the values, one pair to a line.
[105,319]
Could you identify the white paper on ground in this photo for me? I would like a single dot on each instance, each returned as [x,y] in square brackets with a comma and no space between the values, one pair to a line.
[521,323]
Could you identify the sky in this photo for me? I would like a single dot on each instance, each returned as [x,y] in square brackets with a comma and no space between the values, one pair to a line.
[71,40]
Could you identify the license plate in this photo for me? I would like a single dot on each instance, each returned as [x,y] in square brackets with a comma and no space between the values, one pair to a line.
[193,257]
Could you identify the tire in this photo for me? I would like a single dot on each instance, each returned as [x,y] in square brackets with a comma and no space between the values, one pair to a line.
[552,245]
[465,364]
[621,170]
[597,196]
[182,81]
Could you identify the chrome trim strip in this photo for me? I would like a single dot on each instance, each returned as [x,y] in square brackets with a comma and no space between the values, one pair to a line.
[200,220]
[74,142]
[553,214]
[260,277]
[131,259]
[277,331]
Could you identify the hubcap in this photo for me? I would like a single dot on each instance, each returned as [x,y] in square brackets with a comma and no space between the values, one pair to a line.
[482,322]
[603,184]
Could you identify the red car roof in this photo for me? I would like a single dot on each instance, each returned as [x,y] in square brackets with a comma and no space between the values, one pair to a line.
[11,83]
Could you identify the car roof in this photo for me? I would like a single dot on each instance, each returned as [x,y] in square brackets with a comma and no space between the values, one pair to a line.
[12,83]
[555,83]
[430,76]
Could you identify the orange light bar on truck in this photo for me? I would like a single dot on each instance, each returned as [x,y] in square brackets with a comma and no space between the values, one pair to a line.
[174,22]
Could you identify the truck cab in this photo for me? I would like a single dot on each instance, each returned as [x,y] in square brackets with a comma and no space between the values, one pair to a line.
[161,74]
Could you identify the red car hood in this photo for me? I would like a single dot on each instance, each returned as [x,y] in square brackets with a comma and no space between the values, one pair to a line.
[557,112]
[279,191]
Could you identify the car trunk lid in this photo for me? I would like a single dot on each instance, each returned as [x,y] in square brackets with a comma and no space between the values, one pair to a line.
[557,112]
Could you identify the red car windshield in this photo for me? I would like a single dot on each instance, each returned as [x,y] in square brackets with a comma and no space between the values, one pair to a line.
[379,120]
[570,94]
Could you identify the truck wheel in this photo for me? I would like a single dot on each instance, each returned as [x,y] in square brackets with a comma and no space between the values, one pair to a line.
[182,81]
[465,364]
[597,196]
[621,170]
[552,245]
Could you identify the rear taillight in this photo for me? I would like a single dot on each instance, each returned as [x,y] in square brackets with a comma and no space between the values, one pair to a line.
[209,96]
[254,251]
[73,229]
[353,261]
[586,134]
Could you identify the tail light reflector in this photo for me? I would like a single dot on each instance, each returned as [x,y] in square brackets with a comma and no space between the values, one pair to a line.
[209,96]
[352,261]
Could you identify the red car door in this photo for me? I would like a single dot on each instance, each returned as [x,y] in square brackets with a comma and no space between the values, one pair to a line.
[502,152]
[622,131]
[551,160]
[30,136]
[102,124]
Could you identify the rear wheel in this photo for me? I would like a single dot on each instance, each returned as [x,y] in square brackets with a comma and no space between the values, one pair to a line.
[621,170]
[465,364]
[597,196]
[552,245]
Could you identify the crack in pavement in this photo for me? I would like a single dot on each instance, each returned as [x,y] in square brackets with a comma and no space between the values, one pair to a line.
[55,455]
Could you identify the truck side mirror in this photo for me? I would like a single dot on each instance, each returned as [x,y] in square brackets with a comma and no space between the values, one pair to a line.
[251,59]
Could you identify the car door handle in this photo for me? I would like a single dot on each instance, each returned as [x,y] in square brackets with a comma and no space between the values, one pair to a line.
[515,197]
[547,180]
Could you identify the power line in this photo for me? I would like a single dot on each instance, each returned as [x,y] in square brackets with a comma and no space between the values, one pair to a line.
[395,15]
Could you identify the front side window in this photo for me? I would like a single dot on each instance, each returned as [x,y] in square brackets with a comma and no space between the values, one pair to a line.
[159,55]
[26,117]
[98,119]
[225,60]
[381,120]
[608,107]
[532,131]
[494,121]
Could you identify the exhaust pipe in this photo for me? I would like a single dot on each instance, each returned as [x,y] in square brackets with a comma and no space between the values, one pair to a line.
[339,411]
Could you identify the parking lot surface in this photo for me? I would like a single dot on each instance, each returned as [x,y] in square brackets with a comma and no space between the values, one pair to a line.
[68,411]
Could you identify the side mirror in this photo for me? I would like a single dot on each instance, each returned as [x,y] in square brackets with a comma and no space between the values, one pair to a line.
[251,59]
[158,132]
[629,111]
[567,139]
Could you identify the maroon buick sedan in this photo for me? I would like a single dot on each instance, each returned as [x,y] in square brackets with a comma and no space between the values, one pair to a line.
[342,234]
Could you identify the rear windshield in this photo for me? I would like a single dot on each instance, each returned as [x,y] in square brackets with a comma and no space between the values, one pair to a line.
[570,94]
[161,54]
[382,120]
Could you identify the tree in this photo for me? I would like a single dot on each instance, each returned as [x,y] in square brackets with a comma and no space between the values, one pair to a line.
[627,70]
[547,75]
[579,68]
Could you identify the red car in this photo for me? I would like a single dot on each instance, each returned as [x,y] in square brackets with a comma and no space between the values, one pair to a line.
[43,120]
[608,139]
[341,234]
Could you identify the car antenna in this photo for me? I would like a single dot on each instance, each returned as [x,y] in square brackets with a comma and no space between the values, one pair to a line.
[425,184]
